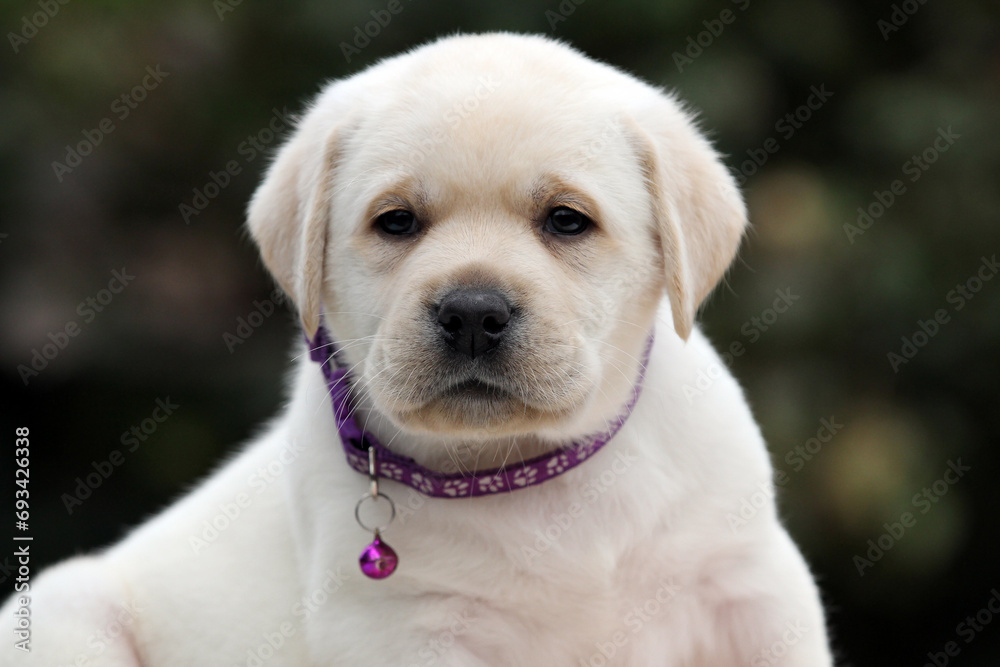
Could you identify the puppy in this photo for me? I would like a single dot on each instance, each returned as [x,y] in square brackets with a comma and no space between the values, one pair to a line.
[497,248]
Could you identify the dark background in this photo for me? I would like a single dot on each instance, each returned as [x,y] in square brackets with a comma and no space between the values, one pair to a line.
[827,357]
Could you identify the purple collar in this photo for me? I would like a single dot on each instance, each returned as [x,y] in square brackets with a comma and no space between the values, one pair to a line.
[362,447]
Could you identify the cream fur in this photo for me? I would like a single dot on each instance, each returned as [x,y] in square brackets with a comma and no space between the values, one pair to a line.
[632,553]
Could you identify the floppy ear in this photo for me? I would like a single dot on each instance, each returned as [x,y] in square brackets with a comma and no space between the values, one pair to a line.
[699,212]
[290,213]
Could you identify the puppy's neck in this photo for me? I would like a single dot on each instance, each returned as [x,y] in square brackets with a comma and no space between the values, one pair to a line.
[451,454]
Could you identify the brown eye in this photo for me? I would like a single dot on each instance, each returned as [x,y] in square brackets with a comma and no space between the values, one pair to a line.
[398,222]
[565,221]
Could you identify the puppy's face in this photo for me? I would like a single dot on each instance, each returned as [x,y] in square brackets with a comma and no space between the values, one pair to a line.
[490,279]
[489,229]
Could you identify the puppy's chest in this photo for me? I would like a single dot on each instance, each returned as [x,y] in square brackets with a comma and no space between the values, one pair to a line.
[554,603]
[558,620]
[523,580]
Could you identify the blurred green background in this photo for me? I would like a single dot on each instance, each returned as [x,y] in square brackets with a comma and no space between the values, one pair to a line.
[820,107]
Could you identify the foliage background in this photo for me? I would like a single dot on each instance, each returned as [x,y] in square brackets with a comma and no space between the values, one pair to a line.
[826,357]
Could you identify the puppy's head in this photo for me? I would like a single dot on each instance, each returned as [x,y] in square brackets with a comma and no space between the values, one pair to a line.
[488,224]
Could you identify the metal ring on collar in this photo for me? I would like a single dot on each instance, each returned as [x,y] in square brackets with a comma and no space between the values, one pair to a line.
[357,512]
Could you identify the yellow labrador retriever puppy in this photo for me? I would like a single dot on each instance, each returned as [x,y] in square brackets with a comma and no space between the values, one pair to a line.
[497,247]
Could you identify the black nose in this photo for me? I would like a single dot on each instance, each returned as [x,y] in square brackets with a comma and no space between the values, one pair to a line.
[473,320]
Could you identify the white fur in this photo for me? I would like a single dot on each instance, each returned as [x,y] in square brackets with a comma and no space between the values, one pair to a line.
[549,575]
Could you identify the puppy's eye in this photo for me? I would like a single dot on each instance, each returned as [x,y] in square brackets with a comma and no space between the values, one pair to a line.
[397,222]
[565,221]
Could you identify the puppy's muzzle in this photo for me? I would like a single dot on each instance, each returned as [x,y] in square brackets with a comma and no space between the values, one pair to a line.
[472,321]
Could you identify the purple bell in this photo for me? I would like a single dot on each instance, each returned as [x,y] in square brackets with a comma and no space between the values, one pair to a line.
[378,560]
